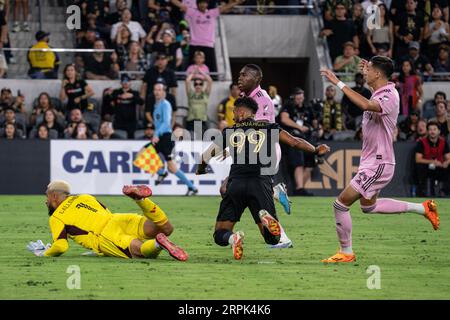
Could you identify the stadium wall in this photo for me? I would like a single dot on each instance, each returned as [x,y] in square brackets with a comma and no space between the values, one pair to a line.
[102,167]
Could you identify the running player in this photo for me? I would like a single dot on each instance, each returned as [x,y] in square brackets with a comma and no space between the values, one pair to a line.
[377,163]
[252,147]
[89,223]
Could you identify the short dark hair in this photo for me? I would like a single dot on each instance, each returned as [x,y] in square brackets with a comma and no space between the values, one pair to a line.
[433,123]
[440,93]
[384,64]
[233,84]
[246,102]
[255,68]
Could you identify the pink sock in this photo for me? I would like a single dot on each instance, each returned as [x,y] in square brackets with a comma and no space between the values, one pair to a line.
[343,224]
[386,206]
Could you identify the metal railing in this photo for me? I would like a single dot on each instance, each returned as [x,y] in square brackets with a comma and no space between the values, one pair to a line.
[436,76]
[274,9]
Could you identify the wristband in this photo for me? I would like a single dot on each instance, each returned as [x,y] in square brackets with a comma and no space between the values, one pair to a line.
[341,85]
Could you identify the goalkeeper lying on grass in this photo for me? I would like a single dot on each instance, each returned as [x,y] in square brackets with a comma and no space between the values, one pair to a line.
[89,223]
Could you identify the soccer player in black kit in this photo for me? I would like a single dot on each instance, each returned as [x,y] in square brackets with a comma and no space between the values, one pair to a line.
[250,183]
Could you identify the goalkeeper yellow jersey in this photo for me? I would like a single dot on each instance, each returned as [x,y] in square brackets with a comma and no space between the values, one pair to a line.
[80,218]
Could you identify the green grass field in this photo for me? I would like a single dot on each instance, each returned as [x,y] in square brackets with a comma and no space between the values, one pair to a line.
[414,260]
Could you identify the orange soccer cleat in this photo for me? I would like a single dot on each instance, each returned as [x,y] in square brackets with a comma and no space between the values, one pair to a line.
[340,257]
[238,249]
[431,213]
[137,192]
[175,251]
[270,223]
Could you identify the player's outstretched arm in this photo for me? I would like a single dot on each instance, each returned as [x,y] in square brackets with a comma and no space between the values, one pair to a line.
[359,100]
[207,155]
[301,144]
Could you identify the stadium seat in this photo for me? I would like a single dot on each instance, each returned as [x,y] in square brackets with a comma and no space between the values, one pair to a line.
[139,134]
[122,133]
[93,119]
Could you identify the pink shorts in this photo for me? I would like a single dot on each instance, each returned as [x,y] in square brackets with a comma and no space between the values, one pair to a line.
[369,181]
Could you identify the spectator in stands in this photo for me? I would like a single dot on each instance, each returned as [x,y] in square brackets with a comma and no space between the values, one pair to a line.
[353,114]
[408,127]
[432,161]
[75,117]
[10,132]
[421,129]
[333,119]
[159,11]
[122,42]
[21,6]
[86,42]
[184,38]
[116,12]
[347,63]
[100,65]
[43,104]
[421,63]
[125,102]
[74,90]
[276,99]
[357,17]
[170,48]
[436,33]
[135,60]
[159,73]
[16,103]
[339,31]
[408,27]
[42,132]
[442,119]
[137,32]
[199,66]
[202,24]
[410,88]
[3,40]
[149,131]
[198,100]
[442,63]
[106,131]
[51,122]
[330,8]
[81,131]
[10,117]
[296,119]
[429,108]
[226,106]
[43,65]
[382,35]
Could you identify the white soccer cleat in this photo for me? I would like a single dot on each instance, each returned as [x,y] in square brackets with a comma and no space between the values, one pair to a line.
[283,244]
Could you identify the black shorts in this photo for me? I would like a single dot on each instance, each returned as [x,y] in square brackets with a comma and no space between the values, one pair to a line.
[253,193]
[165,146]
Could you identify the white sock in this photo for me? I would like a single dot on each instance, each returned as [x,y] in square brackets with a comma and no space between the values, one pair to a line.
[347,250]
[157,244]
[231,239]
[416,208]
[283,236]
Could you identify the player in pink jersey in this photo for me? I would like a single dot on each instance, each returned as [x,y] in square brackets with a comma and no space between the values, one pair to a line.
[377,162]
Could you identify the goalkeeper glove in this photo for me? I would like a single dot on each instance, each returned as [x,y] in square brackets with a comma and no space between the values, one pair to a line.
[38,248]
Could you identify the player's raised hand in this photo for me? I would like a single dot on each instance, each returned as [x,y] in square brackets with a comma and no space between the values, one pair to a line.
[322,149]
[327,73]
[362,65]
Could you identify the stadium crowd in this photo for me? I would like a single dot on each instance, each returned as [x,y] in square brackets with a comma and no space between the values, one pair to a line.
[151,40]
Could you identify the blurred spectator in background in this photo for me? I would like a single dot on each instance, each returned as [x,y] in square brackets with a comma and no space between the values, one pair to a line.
[159,73]
[429,108]
[21,9]
[101,65]
[202,24]
[198,68]
[432,161]
[75,117]
[16,103]
[137,32]
[408,26]
[106,131]
[135,60]
[421,63]
[330,8]
[276,99]
[149,131]
[10,117]
[50,120]
[357,16]
[42,132]
[421,129]
[410,88]
[43,64]
[121,43]
[382,36]
[353,112]
[116,10]
[198,100]
[333,119]
[408,127]
[170,48]
[442,119]
[338,31]
[442,63]
[347,63]
[75,91]
[125,103]
[43,103]
[10,132]
[81,131]
[184,38]
[296,119]
[436,33]
[226,106]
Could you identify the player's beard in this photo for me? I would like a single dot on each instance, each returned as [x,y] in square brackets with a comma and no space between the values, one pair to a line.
[50,209]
